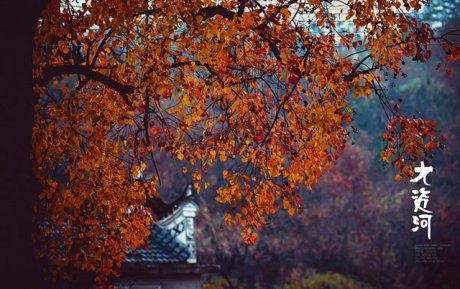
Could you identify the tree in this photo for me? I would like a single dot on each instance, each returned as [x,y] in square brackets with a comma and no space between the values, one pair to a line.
[264,86]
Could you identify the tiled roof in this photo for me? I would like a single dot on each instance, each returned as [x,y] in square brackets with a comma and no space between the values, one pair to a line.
[162,248]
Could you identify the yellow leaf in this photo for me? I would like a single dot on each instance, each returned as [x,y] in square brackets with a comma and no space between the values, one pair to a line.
[286,203]
[213,153]
[222,157]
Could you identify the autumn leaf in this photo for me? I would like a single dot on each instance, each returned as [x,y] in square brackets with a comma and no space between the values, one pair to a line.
[293,79]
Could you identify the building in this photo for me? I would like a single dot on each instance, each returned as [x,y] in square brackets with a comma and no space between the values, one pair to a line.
[170,259]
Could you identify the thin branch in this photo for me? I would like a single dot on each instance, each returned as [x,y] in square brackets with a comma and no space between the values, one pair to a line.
[147,136]
[99,48]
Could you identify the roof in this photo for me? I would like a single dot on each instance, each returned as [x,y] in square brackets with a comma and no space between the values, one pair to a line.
[161,210]
[162,247]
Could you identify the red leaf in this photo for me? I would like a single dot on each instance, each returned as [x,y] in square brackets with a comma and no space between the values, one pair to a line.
[293,79]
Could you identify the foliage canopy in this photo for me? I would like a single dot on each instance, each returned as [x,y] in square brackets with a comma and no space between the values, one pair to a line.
[264,84]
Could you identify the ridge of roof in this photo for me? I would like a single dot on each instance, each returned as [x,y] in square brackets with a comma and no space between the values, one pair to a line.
[162,209]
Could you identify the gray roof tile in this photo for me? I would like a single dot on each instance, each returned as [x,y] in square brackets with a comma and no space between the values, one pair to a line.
[162,247]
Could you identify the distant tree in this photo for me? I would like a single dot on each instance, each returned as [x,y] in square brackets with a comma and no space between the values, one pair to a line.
[326,281]
[263,85]
[440,12]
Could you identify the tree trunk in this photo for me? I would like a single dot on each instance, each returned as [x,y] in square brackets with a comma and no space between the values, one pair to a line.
[18,187]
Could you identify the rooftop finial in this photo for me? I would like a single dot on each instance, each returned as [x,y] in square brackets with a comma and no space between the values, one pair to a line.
[189,192]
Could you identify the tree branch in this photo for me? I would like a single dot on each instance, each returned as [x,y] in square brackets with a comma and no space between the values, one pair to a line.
[52,71]
[211,11]
[101,45]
